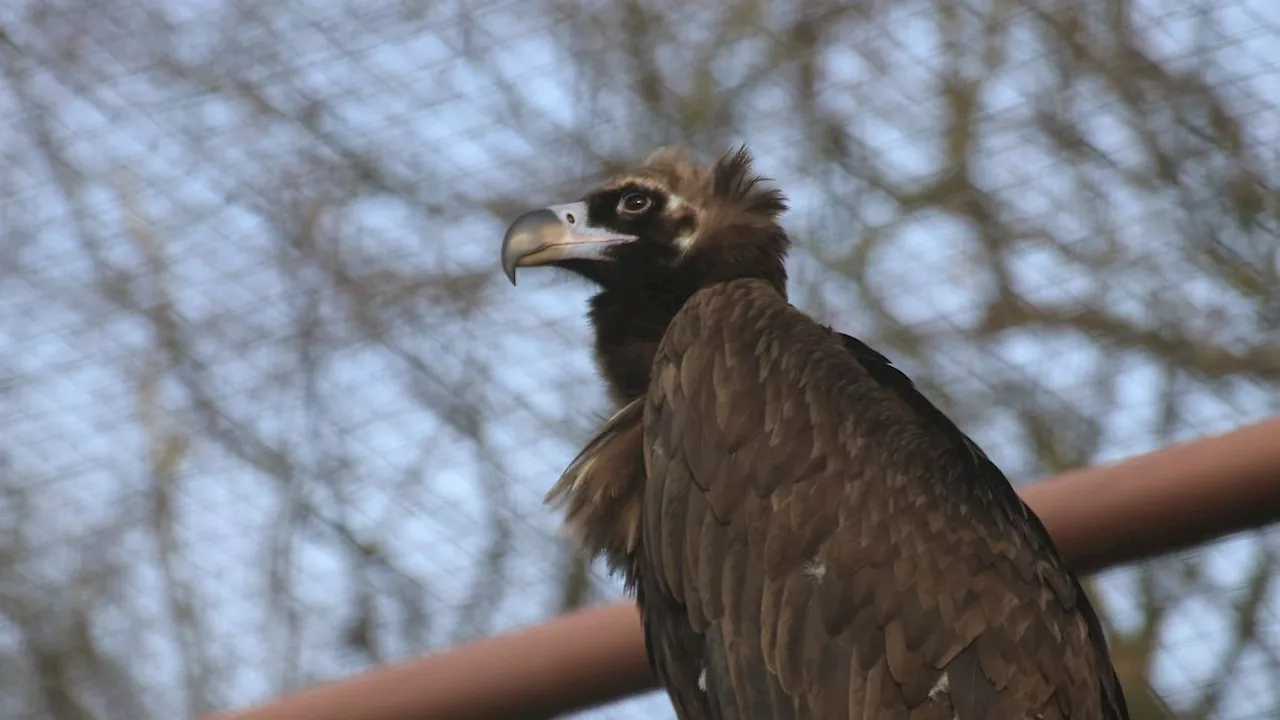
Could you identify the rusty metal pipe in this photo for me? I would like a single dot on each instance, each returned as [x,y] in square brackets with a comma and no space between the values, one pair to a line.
[1102,516]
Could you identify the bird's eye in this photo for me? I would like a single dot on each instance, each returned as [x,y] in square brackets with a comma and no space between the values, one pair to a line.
[634,204]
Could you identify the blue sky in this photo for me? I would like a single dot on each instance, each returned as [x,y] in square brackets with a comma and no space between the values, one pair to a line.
[203,176]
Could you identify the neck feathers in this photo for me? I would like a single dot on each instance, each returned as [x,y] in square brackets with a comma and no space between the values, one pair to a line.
[602,490]
[631,312]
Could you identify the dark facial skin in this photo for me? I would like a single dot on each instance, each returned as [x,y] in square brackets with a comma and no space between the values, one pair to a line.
[642,284]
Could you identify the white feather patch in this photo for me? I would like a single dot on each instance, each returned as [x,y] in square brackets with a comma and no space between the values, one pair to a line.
[815,568]
[940,688]
[683,243]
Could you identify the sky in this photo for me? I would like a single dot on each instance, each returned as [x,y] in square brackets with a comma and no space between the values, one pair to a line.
[198,174]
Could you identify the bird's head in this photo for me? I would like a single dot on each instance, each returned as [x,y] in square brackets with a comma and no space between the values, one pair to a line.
[666,228]
[650,239]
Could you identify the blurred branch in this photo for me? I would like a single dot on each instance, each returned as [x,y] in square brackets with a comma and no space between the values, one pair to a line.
[1061,218]
[165,452]
[1197,355]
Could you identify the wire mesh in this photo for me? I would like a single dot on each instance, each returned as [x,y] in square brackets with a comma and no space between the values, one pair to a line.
[269,413]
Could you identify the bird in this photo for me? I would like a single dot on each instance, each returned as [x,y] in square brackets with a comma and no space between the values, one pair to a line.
[806,535]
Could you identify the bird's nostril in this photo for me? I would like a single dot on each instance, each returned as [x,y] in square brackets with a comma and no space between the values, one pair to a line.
[569,217]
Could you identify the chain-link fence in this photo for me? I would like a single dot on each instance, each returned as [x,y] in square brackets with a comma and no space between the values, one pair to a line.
[270,414]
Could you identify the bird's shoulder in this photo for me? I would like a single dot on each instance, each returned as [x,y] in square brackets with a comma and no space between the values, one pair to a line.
[809,507]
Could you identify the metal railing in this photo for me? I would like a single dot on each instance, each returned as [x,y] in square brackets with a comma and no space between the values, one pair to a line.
[1100,517]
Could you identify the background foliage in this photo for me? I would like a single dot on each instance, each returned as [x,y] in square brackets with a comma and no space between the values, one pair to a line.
[269,413]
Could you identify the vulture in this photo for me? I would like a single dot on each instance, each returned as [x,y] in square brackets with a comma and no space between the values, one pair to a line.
[805,534]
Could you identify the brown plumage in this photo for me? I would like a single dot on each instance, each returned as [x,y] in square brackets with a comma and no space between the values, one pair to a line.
[806,534]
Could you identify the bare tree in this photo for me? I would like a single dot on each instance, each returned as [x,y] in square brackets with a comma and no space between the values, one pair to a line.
[269,414]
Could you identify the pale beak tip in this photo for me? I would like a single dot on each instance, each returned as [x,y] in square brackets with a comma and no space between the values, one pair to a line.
[527,234]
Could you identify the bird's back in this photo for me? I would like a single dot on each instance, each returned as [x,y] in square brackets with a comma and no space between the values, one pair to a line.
[819,541]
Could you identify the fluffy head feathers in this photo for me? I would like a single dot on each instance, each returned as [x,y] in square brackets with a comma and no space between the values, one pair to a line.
[709,202]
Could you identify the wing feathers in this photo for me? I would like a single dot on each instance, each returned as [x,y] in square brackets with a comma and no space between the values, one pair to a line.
[695,556]
[840,549]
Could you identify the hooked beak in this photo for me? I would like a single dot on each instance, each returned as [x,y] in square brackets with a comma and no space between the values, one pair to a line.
[552,234]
